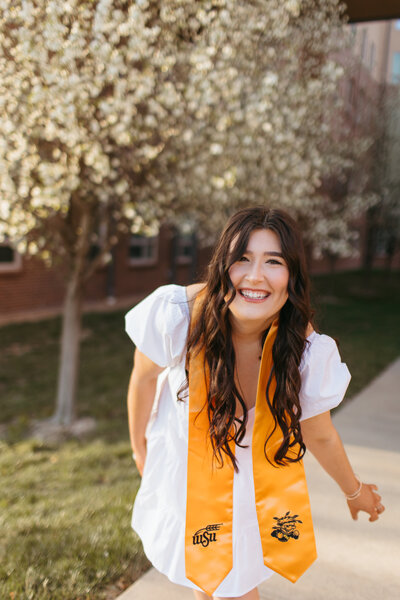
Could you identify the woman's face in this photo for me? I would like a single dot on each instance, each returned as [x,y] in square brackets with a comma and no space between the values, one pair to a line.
[260,278]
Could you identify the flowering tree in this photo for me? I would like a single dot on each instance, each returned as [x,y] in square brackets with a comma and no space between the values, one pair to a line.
[269,124]
[117,114]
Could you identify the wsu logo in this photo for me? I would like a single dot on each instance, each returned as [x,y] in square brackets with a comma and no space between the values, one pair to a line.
[206,535]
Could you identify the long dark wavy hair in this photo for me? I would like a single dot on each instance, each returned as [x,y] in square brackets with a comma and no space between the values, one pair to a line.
[212,331]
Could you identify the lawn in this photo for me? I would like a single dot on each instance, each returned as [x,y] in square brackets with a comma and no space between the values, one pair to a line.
[65,509]
[363,314]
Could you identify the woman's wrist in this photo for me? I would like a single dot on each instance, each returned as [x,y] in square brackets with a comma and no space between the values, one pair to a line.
[356,489]
[139,446]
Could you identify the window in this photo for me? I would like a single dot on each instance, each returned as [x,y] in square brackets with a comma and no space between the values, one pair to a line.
[185,249]
[350,94]
[143,250]
[355,239]
[397,24]
[10,260]
[372,56]
[396,67]
[382,239]
[6,254]
[353,34]
[363,43]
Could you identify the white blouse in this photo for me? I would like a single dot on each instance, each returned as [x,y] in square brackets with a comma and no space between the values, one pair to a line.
[158,326]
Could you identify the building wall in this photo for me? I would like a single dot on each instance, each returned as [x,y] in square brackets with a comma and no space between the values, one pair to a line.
[376,43]
[32,286]
[393,48]
[366,91]
[370,46]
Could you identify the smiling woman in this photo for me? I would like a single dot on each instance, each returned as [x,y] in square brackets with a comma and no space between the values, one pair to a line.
[259,251]
[220,455]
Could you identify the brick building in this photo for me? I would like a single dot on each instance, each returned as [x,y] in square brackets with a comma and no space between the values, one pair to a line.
[138,265]
[372,100]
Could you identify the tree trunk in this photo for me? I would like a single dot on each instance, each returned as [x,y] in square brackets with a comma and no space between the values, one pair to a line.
[69,359]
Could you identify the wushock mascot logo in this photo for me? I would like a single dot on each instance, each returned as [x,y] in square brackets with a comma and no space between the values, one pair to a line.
[206,535]
[285,527]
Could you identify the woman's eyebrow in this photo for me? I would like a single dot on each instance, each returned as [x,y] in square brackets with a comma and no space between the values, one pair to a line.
[268,253]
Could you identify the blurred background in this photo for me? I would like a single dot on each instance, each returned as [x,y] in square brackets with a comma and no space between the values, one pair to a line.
[131,131]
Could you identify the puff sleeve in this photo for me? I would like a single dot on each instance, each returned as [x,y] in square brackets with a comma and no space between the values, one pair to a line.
[324,377]
[158,325]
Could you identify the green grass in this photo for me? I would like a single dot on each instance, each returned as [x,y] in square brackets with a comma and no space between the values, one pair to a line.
[362,313]
[29,363]
[65,516]
[65,509]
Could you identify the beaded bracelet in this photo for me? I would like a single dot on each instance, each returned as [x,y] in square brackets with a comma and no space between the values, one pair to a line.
[355,494]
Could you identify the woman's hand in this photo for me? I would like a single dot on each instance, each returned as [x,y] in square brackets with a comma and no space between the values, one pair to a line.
[368,501]
[139,454]
[321,437]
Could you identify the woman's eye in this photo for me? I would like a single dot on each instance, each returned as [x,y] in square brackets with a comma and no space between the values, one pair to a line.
[272,261]
[243,259]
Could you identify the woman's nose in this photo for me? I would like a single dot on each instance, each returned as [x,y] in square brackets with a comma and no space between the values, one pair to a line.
[255,272]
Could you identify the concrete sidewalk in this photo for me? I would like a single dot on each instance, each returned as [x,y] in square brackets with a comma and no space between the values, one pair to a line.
[356,559]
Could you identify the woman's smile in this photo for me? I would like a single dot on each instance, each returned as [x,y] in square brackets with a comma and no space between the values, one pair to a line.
[251,295]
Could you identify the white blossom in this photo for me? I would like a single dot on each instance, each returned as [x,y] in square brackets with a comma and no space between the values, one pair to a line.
[133,111]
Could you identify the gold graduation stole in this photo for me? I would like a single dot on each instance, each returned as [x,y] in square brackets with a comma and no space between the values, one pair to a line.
[282,502]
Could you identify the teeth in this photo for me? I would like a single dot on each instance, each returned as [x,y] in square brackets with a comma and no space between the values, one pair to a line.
[255,295]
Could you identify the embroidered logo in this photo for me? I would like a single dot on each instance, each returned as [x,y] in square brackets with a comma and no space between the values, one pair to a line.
[206,535]
[285,527]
